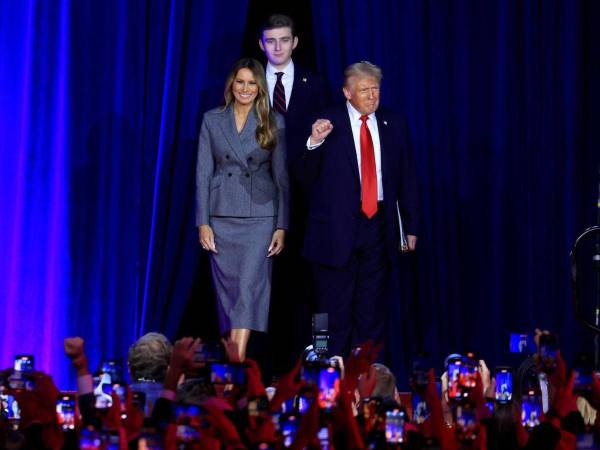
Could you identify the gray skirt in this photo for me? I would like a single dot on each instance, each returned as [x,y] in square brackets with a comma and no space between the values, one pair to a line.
[241,271]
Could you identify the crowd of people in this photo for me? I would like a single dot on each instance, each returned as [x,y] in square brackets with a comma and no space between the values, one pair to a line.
[192,395]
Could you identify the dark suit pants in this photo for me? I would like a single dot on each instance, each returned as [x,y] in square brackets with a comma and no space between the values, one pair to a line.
[354,295]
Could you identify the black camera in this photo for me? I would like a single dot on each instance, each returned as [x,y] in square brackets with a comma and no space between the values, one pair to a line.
[320,334]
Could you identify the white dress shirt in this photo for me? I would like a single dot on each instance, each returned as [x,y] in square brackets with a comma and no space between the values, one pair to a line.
[287,80]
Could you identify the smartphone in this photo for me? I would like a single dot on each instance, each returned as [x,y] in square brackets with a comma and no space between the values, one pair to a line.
[466,423]
[547,353]
[23,363]
[329,387]
[189,419]
[209,352]
[521,343]
[90,439]
[289,427]
[226,373]
[103,388]
[114,368]
[66,410]
[22,376]
[420,410]
[531,409]
[453,370]
[462,379]
[504,378]
[9,408]
[394,426]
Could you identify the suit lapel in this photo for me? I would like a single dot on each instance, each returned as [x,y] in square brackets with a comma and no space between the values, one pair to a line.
[349,141]
[249,129]
[231,135]
[385,143]
[297,87]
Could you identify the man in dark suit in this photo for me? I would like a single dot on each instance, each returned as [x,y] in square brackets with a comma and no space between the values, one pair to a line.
[360,173]
[297,93]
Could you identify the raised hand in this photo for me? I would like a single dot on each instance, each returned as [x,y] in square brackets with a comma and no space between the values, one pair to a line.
[74,350]
[320,130]
[255,386]
[182,359]
[359,362]
[288,386]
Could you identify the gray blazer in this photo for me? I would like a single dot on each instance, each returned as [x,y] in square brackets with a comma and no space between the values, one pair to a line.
[235,177]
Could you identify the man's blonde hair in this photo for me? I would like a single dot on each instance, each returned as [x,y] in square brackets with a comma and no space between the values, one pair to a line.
[362,69]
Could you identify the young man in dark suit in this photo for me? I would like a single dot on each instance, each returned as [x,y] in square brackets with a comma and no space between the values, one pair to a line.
[359,170]
[295,91]
[298,94]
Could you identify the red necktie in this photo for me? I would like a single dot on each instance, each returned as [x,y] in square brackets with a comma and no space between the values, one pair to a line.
[279,95]
[368,171]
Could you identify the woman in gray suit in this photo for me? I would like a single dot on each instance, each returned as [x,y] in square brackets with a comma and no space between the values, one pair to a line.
[242,199]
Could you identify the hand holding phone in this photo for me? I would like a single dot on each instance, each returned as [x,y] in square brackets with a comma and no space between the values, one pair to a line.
[547,353]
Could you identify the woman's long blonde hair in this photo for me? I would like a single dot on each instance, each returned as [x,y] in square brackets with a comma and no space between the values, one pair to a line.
[266,130]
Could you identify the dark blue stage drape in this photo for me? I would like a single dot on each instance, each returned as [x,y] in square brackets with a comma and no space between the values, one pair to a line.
[100,105]
[502,99]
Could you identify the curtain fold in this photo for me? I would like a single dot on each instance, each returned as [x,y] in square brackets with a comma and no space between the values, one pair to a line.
[101,105]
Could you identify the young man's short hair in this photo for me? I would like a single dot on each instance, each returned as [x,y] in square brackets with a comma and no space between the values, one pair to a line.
[278,21]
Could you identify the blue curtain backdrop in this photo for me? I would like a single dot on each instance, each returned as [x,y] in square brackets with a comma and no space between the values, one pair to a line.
[502,99]
[100,105]
[101,102]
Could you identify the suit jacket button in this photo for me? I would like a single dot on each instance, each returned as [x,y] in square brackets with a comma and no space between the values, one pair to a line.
[229,174]
[250,158]
[226,156]
[247,175]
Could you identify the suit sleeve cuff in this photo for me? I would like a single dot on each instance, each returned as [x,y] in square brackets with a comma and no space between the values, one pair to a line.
[313,146]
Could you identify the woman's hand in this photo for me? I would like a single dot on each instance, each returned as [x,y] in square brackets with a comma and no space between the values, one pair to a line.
[276,243]
[207,238]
